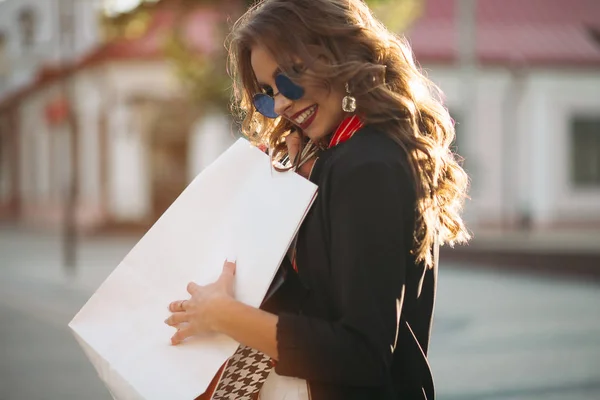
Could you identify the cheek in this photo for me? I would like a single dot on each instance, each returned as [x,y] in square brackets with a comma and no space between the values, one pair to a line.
[325,98]
[329,101]
[316,91]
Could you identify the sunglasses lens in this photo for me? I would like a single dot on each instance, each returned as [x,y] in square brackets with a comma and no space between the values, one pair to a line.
[288,88]
[265,105]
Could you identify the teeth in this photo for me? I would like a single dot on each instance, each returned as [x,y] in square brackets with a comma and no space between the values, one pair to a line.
[300,120]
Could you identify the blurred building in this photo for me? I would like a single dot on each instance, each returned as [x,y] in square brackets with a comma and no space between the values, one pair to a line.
[135,139]
[527,106]
[533,144]
[30,36]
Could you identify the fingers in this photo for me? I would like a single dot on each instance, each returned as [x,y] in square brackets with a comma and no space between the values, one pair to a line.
[181,334]
[293,141]
[229,268]
[227,277]
[306,168]
[192,288]
[177,318]
[177,306]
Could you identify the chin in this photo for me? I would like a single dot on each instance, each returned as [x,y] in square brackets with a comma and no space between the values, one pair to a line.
[315,138]
[314,132]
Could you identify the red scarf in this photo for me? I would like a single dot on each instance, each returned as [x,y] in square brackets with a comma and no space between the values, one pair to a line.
[346,130]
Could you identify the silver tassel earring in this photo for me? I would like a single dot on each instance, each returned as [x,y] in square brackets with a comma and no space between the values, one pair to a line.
[349,101]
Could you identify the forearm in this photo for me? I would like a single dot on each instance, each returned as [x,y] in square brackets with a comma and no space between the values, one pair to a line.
[248,325]
[330,352]
[311,348]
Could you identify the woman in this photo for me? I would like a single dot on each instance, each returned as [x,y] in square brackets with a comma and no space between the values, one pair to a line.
[323,82]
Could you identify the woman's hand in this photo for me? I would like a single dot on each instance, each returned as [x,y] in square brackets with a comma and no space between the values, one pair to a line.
[293,141]
[197,314]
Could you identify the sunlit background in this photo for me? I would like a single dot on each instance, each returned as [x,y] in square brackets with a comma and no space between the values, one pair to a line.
[108,109]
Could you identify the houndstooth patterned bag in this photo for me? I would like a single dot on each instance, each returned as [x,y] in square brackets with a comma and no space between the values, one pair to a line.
[246,372]
[244,375]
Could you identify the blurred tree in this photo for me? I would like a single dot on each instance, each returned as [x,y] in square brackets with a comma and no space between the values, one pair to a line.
[397,15]
[203,75]
[118,23]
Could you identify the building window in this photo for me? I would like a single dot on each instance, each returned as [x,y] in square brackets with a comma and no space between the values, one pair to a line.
[585,156]
[27,27]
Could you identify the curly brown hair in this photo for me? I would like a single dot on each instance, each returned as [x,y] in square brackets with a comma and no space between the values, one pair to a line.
[340,41]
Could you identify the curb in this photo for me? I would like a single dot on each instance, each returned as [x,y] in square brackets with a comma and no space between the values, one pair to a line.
[579,265]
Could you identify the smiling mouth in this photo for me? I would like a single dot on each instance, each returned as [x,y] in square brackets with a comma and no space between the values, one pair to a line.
[305,116]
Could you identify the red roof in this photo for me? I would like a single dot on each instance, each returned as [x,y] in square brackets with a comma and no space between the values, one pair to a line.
[530,32]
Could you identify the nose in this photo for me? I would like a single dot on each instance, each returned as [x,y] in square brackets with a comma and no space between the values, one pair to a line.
[281,104]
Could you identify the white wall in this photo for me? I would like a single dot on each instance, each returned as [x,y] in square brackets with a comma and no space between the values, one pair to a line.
[44,158]
[485,159]
[130,186]
[128,160]
[36,147]
[211,136]
[45,154]
[568,94]
[525,163]
[88,102]
[25,62]
[128,170]
[142,78]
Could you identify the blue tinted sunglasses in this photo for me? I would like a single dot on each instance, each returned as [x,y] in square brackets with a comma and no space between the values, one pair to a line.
[265,103]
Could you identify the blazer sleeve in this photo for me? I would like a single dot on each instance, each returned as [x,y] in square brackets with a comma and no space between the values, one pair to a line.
[368,211]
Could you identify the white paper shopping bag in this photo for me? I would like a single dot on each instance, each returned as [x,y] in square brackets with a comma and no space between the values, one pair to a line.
[236,207]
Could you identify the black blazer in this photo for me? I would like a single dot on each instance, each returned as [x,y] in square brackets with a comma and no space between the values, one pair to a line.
[355,320]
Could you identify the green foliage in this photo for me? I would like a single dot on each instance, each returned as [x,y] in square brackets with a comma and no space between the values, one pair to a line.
[205,77]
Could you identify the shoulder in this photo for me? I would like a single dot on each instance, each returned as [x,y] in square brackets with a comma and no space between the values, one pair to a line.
[372,151]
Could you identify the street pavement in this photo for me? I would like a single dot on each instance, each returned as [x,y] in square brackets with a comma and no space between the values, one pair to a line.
[497,335]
